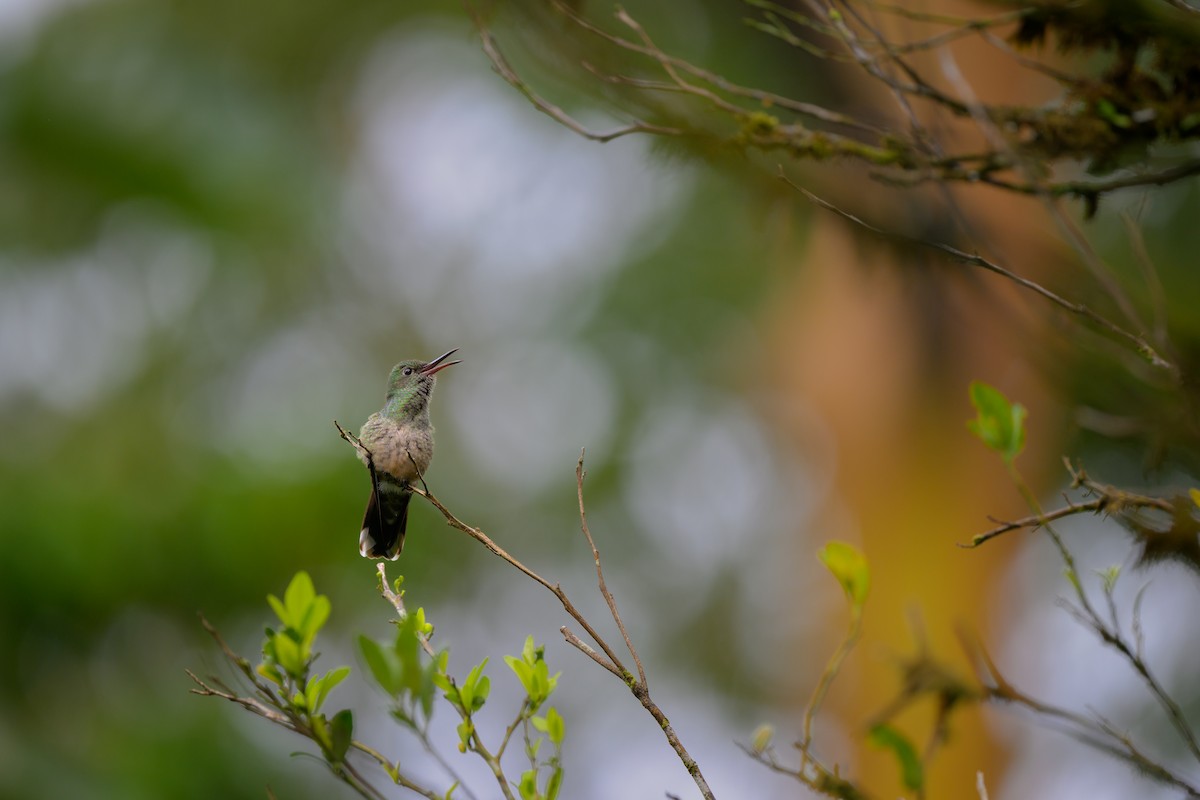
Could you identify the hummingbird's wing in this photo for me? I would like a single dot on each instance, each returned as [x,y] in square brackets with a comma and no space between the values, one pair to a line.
[382,534]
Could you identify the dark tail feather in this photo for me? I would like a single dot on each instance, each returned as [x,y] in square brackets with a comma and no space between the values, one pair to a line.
[382,534]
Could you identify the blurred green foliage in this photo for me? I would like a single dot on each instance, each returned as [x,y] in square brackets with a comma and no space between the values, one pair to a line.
[134,132]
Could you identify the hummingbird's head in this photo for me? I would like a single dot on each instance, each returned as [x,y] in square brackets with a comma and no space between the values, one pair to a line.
[413,377]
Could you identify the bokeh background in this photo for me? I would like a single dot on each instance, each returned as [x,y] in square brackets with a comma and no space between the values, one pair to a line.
[220,225]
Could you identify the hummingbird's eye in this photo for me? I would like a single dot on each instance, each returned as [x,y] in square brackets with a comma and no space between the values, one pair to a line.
[408,370]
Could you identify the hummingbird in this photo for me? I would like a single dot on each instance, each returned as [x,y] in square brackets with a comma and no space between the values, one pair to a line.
[400,439]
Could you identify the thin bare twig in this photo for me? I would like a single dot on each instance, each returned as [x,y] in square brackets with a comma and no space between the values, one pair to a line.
[249,703]
[1087,615]
[580,474]
[827,677]
[899,91]
[814,775]
[1100,271]
[500,552]
[770,99]
[1154,286]
[492,49]
[911,155]
[1139,343]
[1095,733]
[588,651]
[1035,521]
[612,663]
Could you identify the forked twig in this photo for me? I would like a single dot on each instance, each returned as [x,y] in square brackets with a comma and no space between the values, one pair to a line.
[607,657]
[580,474]
[1097,733]
[1107,499]
[270,706]
[1139,343]
[492,50]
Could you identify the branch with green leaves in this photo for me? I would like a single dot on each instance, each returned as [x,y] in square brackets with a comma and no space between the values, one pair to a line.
[922,676]
[999,424]
[410,684]
[285,690]
[606,656]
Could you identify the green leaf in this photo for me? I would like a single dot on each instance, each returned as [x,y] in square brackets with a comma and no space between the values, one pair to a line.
[298,597]
[999,424]
[465,729]
[280,611]
[482,689]
[762,737]
[407,648]
[443,682]
[429,682]
[342,732]
[529,653]
[423,627]
[523,671]
[433,676]
[889,738]
[555,783]
[541,681]
[318,688]
[528,785]
[314,617]
[532,748]
[1109,577]
[322,733]
[849,566]
[556,728]
[474,690]
[1109,112]
[270,672]
[313,687]
[289,655]
[383,664]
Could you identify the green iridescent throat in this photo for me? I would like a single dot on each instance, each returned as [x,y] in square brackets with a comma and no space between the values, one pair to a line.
[407,402]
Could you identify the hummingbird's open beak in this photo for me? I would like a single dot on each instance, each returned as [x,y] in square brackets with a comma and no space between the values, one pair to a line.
[436,365]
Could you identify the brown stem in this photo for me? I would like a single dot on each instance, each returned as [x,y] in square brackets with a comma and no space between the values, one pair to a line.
[613,662]
[505,71]
[580,474]
[1139,343]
